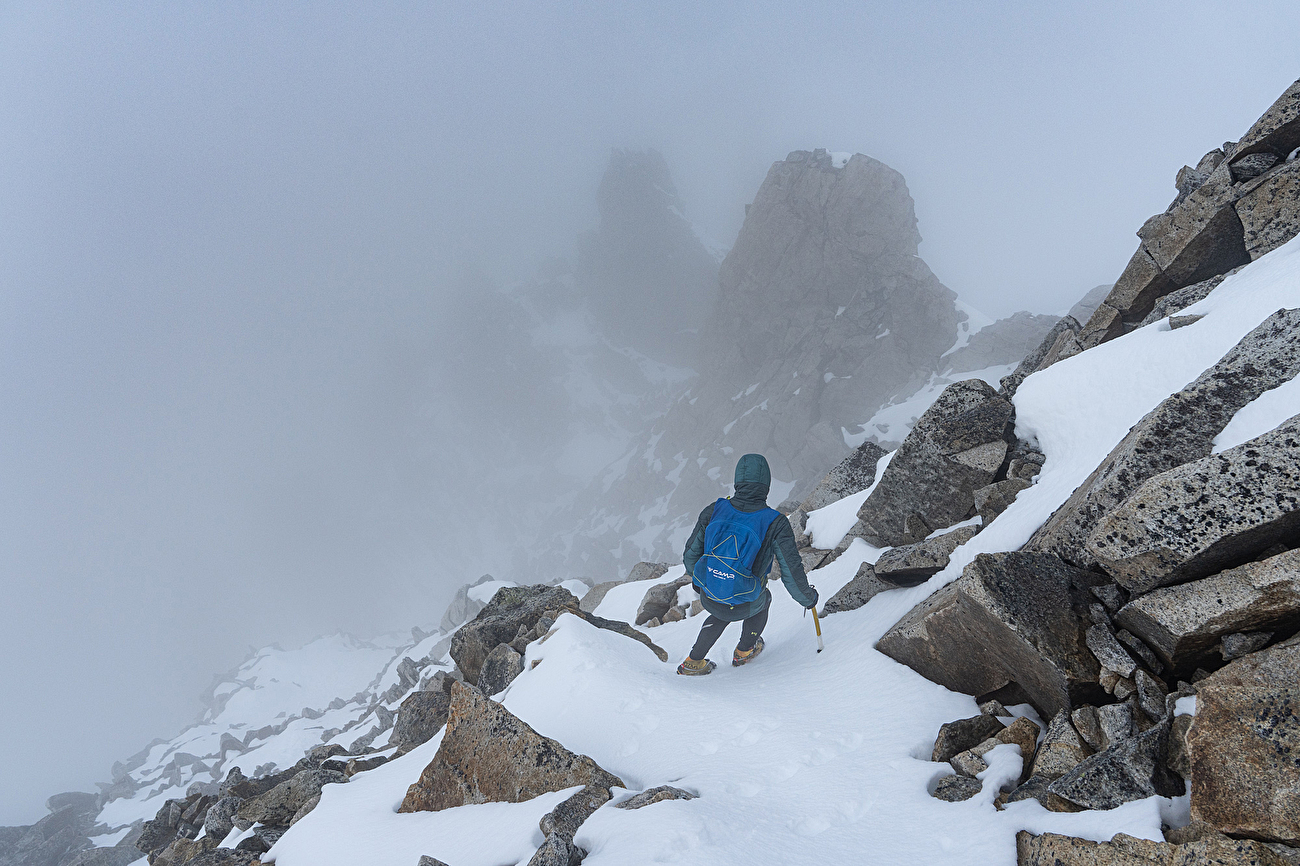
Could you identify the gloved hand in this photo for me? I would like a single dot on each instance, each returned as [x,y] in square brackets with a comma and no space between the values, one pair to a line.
[814,596]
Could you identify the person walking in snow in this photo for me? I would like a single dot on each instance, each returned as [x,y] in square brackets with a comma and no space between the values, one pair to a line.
[728,557]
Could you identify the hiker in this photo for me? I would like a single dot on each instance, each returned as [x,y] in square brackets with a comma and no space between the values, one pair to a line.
[728,557]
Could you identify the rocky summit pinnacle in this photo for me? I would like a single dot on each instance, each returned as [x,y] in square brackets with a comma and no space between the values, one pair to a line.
[824,312]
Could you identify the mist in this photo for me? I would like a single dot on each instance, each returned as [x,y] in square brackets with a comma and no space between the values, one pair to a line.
[251,259]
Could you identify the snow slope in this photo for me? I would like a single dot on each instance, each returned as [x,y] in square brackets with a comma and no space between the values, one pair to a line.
[797,758]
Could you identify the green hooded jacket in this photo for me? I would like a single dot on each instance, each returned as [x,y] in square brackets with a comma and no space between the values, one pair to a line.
[753,481]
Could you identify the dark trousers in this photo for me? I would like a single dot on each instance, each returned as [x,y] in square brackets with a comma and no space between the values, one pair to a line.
[713,628]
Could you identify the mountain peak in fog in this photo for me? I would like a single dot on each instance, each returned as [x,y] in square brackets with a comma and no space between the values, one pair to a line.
[648,278]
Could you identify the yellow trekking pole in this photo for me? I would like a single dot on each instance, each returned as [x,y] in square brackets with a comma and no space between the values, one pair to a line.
[817,625]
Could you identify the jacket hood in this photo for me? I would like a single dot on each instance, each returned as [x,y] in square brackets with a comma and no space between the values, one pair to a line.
[753,478]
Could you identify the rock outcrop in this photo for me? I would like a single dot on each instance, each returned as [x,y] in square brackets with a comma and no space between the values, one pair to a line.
[1237,204]
[1178,431]
[1010,618]
[1203,516]
[957,447]
[1051,849]
[853,474]
[489,755]
[1186,624]
[911,564]
[513,610]
[1244,746]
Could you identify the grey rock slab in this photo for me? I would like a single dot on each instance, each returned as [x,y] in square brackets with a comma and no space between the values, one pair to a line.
[1130,299]
[1252,165]
[955,788]
[956,447]
[1087,723]
[565,819]
[594,596]
[1111,595]
[647,571]
[426,860]
[962,734]
[1195,520]
[1116,722]
[1036,788]
[221,817]
[911,564]
[995,498]
[500,621]
[1183,624]
[1179,431]
[1051,849]
[419,717]
[654,795]
[1131,769]
[1199,237]
[1085,306]
[277,806]
[1151,695]
[1011,617]
[864,586]
[853,474]
[500,668]
[1139,649]
[1270,212]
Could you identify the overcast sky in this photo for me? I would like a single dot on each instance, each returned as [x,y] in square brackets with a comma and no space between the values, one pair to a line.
[226,231]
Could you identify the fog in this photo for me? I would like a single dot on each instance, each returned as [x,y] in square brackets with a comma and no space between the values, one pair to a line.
[248,255]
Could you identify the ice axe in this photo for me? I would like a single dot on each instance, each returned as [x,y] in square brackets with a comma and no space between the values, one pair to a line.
[817,624]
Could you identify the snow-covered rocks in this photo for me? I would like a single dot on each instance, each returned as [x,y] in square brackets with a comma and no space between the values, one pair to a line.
[1178,431]
[956,447]
[1200,517]
[489,755]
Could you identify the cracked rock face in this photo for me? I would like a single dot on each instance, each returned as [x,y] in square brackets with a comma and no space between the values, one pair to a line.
[1184,624]
[1201,517]
[1178,431]
[957,447]
[488,755]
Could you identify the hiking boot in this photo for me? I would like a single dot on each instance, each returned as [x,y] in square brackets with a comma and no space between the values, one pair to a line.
[740,656]
[693,668]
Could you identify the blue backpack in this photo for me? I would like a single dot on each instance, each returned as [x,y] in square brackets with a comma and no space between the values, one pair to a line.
[731,543]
